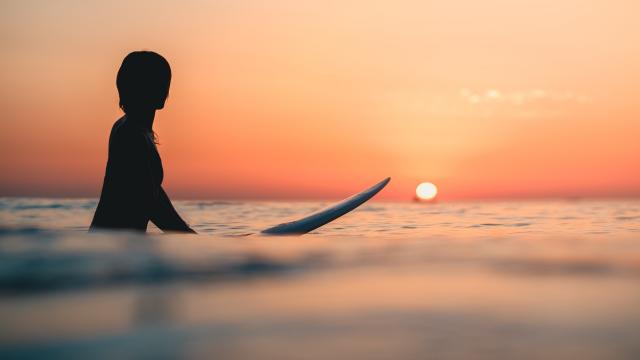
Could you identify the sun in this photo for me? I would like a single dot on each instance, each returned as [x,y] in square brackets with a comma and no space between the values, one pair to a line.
[426,191]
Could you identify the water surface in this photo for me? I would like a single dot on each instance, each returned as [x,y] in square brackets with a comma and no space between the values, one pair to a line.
[527,280]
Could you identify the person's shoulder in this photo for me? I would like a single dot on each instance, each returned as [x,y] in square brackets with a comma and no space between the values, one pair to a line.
[118,127]
[124,132]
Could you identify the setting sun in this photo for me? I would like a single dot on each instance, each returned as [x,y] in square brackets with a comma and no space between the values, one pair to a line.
[426,191]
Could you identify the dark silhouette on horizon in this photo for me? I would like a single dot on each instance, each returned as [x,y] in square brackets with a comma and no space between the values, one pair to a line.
[132,193]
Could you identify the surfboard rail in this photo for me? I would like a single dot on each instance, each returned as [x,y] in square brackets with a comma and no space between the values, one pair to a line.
[326,215]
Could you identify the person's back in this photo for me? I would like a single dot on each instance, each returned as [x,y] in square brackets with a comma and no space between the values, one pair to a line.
[132,193]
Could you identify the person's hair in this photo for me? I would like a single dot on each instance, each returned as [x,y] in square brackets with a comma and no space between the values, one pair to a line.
[143,81]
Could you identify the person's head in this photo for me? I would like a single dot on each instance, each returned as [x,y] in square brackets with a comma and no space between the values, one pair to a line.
[143,81]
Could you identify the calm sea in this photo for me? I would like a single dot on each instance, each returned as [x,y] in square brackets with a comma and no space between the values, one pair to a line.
[486,280]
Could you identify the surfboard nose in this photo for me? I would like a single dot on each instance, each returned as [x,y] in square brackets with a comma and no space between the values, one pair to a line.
[322,217]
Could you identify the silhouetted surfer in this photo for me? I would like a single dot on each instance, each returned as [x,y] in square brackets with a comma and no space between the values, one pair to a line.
[132,193]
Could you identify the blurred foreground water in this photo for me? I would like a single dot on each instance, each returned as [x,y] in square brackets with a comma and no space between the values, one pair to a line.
[525,280]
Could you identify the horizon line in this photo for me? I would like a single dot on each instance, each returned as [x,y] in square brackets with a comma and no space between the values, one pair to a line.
[507,198]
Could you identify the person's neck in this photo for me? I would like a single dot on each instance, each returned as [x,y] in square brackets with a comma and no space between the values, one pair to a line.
[142,118]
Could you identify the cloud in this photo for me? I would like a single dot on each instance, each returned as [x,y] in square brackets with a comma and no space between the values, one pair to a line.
[521,97]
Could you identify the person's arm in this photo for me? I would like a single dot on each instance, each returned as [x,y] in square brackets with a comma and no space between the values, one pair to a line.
[148,201]
[165,216]
[133,179]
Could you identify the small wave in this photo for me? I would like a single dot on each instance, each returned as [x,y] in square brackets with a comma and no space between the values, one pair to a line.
[549,267]
[36,204]
[627,218]
[485,224]
[9,231]
[209,204]
[373,209]
[43,206]
[37,260]
[36,272]
[521,224]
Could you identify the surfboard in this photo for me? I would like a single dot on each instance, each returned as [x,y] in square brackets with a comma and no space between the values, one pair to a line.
[326,215]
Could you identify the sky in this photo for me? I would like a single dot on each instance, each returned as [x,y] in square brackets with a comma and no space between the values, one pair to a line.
[493,99]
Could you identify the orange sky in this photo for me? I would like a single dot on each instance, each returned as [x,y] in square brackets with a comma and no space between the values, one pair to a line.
[301,99]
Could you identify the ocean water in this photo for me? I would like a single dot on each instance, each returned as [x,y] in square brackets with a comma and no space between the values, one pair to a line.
[485,280]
